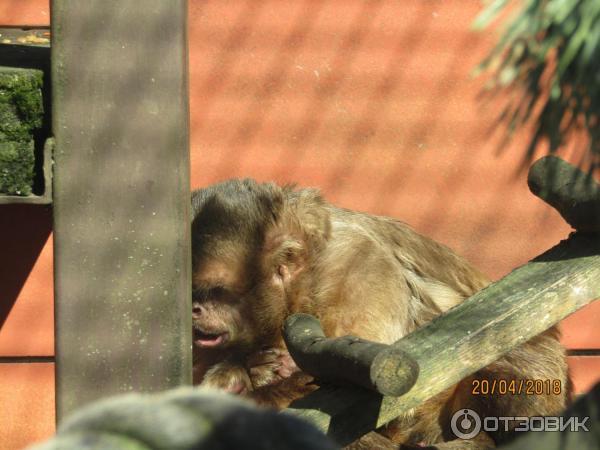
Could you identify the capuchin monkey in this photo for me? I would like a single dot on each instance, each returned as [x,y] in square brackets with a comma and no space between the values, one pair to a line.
[262,252]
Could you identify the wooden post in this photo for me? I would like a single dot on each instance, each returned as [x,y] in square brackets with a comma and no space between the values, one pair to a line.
[121,198]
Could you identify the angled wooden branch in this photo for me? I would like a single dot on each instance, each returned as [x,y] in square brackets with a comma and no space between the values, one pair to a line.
[486,326]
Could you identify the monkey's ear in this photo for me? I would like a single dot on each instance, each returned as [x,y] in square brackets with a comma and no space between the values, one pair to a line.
[300,233]
[285,255]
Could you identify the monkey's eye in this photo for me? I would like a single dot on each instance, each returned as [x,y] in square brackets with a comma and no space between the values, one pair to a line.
[217,293]
[198,294]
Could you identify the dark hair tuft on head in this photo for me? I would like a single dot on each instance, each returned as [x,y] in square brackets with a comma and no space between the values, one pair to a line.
[238,209]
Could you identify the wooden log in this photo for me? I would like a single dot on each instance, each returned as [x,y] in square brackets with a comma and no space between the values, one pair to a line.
[348,358]
[574,194]
[470,336]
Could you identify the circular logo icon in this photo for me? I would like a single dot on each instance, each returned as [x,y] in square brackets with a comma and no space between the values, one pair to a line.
[465,424]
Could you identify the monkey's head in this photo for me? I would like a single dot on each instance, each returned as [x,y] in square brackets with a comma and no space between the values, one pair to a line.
[251,244]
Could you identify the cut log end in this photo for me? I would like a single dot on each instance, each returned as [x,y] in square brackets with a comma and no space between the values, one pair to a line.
[394,372]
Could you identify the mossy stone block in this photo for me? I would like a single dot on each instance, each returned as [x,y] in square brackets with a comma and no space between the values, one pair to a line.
[16,167]
[21,113]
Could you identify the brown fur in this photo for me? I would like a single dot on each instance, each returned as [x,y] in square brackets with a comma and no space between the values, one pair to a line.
[278,251]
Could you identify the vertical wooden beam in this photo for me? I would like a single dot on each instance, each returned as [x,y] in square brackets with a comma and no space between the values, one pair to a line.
[121,199]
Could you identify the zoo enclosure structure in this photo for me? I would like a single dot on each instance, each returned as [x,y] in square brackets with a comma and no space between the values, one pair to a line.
[99,224]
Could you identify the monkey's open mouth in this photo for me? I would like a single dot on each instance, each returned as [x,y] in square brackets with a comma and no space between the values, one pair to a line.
[202,339]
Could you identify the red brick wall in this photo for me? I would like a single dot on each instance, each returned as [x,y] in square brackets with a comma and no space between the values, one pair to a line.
[371,101]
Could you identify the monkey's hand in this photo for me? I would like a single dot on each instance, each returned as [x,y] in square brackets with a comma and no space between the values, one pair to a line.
[228,376]
[281,394]
[269,366]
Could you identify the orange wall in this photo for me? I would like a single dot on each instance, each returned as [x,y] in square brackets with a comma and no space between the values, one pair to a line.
[25,12]
[26,325]
[26,297]
[371,101]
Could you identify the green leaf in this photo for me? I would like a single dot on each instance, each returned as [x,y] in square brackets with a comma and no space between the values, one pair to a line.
[548,45]
[507,75]
[488,14]
[555,91]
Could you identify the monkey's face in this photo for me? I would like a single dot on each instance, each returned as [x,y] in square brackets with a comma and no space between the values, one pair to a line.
[238,303]
[250,243]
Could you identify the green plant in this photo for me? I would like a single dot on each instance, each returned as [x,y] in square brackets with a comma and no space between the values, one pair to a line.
[550,51]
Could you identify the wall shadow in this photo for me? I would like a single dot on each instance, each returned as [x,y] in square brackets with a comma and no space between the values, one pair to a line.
[24,230]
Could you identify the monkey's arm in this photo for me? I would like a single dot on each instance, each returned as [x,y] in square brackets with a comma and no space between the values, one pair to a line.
[276,379]
[258,375]
[270,366]
[279,395]
[228,375]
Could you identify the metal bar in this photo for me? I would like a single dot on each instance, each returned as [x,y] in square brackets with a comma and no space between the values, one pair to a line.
[121,198]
